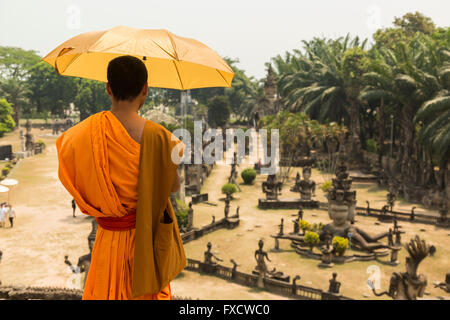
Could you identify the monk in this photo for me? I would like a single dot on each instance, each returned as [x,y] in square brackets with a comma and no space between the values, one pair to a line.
[99,164]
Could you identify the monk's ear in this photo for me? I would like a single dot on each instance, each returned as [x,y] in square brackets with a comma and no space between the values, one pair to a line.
[108,89]
[145,90]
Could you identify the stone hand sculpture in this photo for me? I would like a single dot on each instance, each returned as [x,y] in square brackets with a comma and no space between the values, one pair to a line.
[409,285]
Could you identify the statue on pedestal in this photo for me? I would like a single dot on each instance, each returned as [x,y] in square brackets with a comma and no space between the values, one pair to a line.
[209,256]
[190,219]
[334,284]
[306,186]
[271,187]
[295,187]
[341,209]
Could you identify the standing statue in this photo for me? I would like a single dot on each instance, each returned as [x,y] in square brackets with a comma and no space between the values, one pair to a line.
[295,221]
[271,187]
[227,208]
[260,256]
[391,197]
[209,256]
[409,285]
[280,233]
[190,217]
[295,187]
[334,284]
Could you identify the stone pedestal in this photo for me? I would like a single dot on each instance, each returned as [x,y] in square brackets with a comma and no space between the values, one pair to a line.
[327,258]
[286,204]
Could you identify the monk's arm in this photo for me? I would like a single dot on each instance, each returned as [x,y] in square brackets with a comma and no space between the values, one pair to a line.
[176,183]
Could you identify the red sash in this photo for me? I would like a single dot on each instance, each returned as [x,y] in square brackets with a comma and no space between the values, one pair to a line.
[127,222]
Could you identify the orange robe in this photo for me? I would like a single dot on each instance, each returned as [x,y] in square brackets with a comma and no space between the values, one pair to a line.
[99,166]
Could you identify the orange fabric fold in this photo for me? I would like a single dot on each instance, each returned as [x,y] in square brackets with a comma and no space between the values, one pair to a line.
[99,167]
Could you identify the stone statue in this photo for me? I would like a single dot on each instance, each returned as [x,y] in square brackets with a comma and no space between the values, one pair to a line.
[260,256]
[295,188]
[237,212]
[271,187]
[29,138]
[413,214]
[306,186]
[341,209]
[295,221]
[280,233]
[409,285]
[190,217]
[213,219]
[227,208]
[334,284]
[209,256]
[444,285]
[390,238]
[391,197]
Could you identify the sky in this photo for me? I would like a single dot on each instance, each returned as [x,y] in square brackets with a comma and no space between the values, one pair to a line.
[253,31]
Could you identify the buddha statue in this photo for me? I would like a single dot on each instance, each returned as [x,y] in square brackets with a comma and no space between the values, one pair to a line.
[271,187]
[306,186]
[341,209]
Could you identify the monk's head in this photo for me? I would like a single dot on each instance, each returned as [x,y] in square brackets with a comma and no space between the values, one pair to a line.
[127,80]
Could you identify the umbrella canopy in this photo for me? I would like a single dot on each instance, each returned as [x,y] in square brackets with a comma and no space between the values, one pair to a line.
[172,61]
[3,189]
[9,182]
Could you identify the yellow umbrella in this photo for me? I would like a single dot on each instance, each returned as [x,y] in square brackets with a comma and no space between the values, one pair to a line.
[172,61]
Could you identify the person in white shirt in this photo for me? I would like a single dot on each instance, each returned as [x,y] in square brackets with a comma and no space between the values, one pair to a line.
[11,215]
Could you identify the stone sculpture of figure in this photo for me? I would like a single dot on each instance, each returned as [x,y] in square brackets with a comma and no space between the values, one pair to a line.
[409,285]
[390,238]
[341,209]
[235,265]
[391,197]
[213,219]
[271,187]
[300,214]
[190,216]
[413,214]
[306,186]
[334,284]
[281,227]
[209,256]
[260,255]
[368,207]
[227,208]
[443,211]
[296,188]
[444,285]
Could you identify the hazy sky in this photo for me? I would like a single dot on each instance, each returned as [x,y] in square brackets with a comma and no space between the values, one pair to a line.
[251,30]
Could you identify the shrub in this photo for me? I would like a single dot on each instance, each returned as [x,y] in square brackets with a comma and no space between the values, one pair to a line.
[304,225]
[229,188]
[372,145]
[5,171]
[248,175]
[340,245]
[326,186]
[9,165]
[182,213]
[41,143]
[311,238]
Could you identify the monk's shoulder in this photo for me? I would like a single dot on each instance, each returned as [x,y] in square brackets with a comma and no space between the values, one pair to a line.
[153,130]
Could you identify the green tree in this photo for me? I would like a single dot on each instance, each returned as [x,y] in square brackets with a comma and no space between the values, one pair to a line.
[6,121]
[311,238]
[218,111]
[16,92]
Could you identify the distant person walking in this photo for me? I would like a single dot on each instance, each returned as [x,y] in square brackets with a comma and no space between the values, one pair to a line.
[74,207]
[11,215]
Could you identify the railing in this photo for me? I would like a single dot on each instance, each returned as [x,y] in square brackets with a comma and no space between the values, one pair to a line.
[275,286]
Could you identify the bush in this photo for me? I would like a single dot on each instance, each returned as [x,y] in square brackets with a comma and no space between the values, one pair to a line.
[326,186]
[41,143]
[229,188]
[311,238]
[304,225]
[372,145]
[5,171]
[9,165]
[340,245]
[248,175]
[182,213]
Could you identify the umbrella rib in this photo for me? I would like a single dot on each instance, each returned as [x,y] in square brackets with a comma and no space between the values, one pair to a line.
[223,77]
[178,72]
